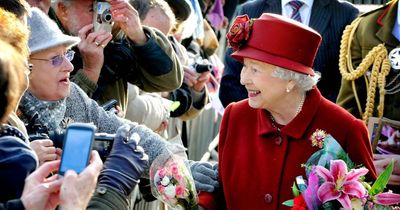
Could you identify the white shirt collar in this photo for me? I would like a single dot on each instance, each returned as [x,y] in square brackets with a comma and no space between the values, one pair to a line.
[306,2]
[398,16]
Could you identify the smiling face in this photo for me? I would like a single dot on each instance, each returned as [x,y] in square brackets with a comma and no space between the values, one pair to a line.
[47,81]
[264,90]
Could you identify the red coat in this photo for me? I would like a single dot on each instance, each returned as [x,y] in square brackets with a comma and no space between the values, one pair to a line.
[257,172]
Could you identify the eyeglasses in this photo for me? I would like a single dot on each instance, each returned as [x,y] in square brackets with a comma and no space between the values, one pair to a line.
[59,59]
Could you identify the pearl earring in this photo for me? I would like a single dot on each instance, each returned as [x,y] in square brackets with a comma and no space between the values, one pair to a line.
[287,90]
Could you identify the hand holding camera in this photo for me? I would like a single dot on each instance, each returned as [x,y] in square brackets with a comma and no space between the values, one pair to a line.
[127,18]
[196,80]
[91,48]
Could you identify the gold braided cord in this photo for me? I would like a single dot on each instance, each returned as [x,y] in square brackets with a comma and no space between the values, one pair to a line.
[385,69]
[378,58]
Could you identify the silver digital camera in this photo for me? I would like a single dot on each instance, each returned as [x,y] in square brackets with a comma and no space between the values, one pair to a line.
[102,18]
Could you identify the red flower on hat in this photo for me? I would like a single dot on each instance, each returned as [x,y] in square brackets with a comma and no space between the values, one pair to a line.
[239,32]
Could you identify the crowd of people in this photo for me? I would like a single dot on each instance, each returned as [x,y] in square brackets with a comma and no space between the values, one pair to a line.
[291,67]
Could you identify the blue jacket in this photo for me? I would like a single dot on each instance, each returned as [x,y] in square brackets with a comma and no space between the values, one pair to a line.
[17,161]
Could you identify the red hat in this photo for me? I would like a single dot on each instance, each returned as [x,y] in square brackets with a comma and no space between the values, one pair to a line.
[276,40]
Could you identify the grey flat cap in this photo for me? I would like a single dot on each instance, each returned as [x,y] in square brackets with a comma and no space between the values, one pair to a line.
[45,33]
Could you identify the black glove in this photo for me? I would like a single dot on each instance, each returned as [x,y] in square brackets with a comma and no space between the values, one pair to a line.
[126,162]
[205,175]
[145,190]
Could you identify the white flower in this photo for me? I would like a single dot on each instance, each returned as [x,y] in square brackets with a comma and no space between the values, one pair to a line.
[165,181]
[170,191]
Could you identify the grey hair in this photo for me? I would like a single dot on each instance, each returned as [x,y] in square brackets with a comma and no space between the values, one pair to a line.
[67,3]
[305,82]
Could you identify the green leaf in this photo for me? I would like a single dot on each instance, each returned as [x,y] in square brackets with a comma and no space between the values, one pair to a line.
[289,203]
[295,190]
[382,180]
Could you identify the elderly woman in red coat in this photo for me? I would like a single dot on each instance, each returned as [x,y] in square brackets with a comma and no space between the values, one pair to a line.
[265,138]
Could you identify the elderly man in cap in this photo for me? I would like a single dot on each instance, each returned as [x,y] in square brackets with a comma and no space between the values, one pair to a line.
[142,56]
[268,134]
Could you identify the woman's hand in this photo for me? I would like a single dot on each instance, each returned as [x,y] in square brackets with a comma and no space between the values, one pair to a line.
[382,161]
[127,18]
[77,189]
[91,47]
[41,192]
[45,150]
[195,80]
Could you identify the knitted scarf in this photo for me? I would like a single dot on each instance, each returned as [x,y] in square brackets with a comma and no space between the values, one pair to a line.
[46,113]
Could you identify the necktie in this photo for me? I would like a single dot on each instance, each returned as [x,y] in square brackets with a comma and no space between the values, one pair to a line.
[296,5]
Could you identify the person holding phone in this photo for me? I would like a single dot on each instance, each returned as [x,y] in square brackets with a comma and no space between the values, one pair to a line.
[22,189]
[25,187]
[53,101]
[39,190]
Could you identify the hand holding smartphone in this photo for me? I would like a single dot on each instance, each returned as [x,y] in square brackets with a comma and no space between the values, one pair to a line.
[78,142]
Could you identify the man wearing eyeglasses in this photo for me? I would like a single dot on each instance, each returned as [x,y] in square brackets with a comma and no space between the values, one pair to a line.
[142,57]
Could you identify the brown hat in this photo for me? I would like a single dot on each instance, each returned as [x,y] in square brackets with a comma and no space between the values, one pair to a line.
[276,40]
[181,9]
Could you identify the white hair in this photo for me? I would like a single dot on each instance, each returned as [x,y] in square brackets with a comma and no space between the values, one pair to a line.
[303,81]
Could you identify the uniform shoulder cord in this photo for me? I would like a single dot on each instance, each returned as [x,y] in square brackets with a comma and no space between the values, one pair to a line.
[378,58]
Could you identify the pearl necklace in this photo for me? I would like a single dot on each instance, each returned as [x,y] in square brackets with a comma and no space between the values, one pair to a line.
[303,98]
[279,139]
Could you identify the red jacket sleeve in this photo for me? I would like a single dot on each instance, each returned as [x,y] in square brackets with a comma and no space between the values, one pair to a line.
[215,200]
[359,148]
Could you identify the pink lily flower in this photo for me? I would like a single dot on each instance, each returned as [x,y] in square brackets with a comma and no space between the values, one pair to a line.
[387,198]
[339,184]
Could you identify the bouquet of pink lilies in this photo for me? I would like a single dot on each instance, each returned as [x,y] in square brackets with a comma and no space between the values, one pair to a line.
[334,181]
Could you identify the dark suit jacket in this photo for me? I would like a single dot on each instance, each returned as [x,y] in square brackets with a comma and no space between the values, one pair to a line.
[328,17]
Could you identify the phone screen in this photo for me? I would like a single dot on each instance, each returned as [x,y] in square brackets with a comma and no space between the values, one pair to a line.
[76,150]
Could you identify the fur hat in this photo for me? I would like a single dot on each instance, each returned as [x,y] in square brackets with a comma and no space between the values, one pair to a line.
[181,9]
[45,33]
[276,40]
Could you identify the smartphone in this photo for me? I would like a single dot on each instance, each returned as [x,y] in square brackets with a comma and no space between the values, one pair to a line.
[78,142]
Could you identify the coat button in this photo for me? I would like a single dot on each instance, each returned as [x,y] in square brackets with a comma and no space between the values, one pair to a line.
[267,198]
[101,190]
[278,140]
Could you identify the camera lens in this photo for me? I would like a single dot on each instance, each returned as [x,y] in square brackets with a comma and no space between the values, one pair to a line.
[107,17]
[200,68]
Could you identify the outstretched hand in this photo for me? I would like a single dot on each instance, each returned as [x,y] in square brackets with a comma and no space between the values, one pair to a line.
[91,47]
[126,162]
[205,175]
[127,18]
[382,161]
